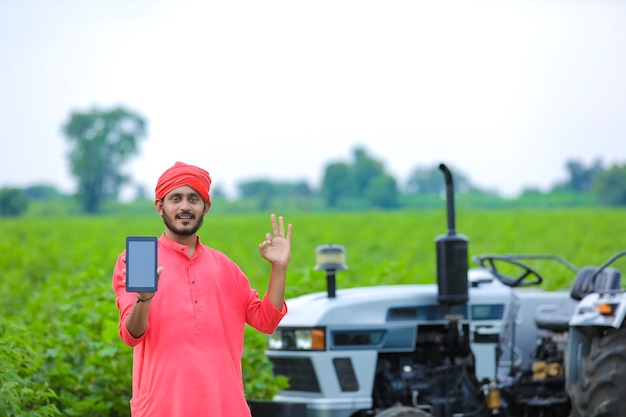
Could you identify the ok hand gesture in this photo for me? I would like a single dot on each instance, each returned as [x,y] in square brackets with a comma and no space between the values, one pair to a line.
[276,249]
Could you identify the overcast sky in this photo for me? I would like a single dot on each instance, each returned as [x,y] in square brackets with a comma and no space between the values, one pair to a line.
[506,91]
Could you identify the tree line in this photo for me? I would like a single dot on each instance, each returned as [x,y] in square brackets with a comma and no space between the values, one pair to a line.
[102,142]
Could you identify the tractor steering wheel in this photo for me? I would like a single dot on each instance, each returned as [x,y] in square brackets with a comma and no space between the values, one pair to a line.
[522,280]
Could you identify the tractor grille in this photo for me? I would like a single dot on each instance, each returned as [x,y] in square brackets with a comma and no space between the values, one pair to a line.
[345,374]
[299,371]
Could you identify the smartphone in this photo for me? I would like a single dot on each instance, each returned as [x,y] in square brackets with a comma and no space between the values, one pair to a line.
[141,264]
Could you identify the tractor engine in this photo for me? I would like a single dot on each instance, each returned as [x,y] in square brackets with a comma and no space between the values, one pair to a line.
[438,376]
[540,390]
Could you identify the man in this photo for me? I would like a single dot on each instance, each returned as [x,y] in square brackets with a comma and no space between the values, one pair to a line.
[188,336]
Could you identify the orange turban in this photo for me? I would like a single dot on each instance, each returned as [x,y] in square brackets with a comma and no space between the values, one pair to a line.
[183,174]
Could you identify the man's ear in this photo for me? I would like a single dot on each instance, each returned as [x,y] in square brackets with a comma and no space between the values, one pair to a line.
[158,206]
[207,206]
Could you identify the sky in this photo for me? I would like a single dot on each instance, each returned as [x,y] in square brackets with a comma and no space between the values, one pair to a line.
[506,92]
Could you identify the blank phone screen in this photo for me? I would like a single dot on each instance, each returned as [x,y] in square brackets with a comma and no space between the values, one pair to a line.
[141,264]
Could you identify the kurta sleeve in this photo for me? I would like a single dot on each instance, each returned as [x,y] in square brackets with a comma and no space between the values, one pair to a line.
[125,302]
[262,314]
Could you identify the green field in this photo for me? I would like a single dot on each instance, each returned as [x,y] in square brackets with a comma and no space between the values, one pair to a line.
[58,328]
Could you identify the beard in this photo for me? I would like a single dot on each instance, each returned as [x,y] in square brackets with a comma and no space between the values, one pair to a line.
[187,230]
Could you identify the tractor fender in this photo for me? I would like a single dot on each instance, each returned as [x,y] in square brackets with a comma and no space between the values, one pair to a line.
[600,310]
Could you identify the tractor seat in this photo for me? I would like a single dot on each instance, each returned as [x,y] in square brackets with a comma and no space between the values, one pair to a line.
[610,279]
[548,317]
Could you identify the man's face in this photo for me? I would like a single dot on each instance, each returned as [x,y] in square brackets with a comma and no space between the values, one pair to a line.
[183,210]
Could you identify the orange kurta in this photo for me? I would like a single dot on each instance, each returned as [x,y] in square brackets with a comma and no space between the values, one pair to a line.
[188,362]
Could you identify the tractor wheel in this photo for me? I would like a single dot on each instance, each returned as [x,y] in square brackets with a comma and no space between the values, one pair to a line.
[403,412]
[600,391]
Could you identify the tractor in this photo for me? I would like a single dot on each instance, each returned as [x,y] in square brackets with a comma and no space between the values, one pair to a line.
[482,341]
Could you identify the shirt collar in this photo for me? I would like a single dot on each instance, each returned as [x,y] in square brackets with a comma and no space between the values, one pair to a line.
[177,247]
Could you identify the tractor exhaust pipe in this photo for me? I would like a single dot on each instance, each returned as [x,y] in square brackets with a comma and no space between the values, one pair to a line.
[452,254]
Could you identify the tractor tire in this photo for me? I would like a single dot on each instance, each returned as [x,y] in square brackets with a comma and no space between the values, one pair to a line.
[600,392]
[403,412]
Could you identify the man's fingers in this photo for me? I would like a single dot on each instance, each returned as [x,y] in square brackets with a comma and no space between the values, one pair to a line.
[281,226]
[278,228]
[274,226]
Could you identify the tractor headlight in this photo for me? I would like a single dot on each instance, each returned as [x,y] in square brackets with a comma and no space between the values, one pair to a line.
[298,339]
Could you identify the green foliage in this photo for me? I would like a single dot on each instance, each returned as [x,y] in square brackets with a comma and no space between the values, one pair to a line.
[24,391]
[364,170]
[13,202]
[580,179]
[340,191]
[83,361]
[363,182]
[382,192]
[101,142]
[259,383]
[261,190]
[610,186]
[336,183]
[42,192]
[65,304]
[263,194]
